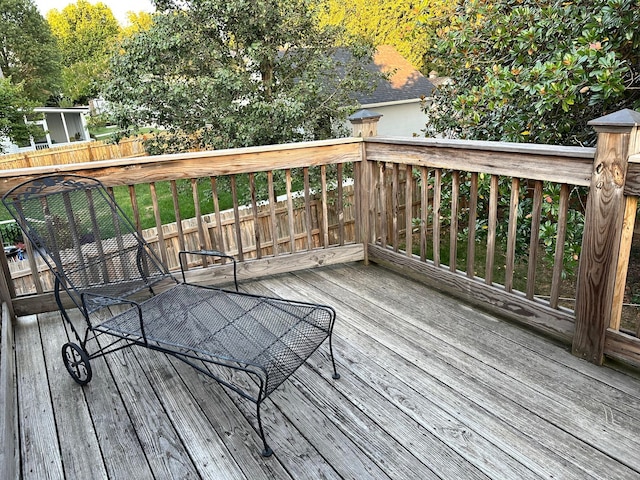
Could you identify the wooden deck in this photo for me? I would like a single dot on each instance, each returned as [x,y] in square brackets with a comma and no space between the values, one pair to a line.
[430,388]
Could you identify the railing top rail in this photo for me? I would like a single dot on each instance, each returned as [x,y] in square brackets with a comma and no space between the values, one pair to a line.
[127,171]
[507,147]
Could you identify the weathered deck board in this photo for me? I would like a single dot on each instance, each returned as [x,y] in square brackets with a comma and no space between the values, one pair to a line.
[430,388]
[38,438]
[464,366]
[73,420]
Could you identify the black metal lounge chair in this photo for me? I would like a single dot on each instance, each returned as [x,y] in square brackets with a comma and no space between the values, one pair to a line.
[100,260]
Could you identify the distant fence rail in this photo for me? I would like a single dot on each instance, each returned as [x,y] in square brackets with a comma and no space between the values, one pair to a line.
[77,152]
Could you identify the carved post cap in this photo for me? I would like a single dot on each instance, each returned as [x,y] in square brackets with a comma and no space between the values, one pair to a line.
[365,123]
[620,121]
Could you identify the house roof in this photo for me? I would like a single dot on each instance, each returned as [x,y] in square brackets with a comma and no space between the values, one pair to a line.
[404,84]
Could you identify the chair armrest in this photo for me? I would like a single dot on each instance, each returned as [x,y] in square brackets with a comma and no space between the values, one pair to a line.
[103,301]
[209,253]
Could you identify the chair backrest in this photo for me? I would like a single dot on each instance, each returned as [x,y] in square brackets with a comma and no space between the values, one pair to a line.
[82,234]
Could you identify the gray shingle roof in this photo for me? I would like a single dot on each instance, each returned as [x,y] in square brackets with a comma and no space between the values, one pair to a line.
[405,82]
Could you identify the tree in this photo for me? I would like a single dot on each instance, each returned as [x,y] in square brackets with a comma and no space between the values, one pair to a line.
[235,73]
[28,52]
[535,71]
[137,21]
[86,34]
[13,107]
[407,26]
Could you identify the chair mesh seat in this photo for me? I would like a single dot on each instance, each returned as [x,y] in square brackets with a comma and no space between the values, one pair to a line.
[276,336]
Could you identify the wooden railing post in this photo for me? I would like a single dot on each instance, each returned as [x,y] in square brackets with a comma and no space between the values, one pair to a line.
[364,124]
[605,211]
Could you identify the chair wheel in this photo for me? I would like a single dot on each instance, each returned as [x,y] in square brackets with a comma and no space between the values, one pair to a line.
[77,363]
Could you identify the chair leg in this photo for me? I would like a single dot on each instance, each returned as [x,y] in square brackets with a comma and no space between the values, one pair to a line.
[335,375]
[267,452]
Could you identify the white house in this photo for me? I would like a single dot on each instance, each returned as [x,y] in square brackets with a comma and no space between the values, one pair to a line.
[399,98]
[59,126]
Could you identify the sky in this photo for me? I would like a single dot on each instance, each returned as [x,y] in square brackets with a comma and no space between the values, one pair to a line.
[118,7]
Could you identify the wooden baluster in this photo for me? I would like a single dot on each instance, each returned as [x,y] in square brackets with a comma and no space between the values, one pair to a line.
[134,207]
[395,206]
[383,204]
[536,214]
[325,209]
[292,233]
[156,213]
[473,215]
[203,236]
[236,216]
[437,199]
[491,234]
[118,235]
[75,238]
[176,211]
[511,234]
[97,237]
[453,226]
[424,211]
[340,205]
[256,220]
[216,209]
[630,211]
[307,209]
[272,212]
[408,211]
[558,262]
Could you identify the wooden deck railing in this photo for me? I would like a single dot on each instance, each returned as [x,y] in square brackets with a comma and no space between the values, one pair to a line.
[451,213]
[483,271]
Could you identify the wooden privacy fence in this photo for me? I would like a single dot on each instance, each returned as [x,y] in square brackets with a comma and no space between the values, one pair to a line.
[77,152]
[223,237]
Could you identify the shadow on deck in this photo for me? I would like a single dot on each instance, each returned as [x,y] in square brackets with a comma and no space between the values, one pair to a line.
[430,388]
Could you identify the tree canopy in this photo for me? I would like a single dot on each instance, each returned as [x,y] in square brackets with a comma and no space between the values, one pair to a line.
[86,34]
[535,71]
[28,52]
[235,73]
[13,106]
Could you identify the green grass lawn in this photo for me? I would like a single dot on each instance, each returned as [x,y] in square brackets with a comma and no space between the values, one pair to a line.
[106,132]
[165,201]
